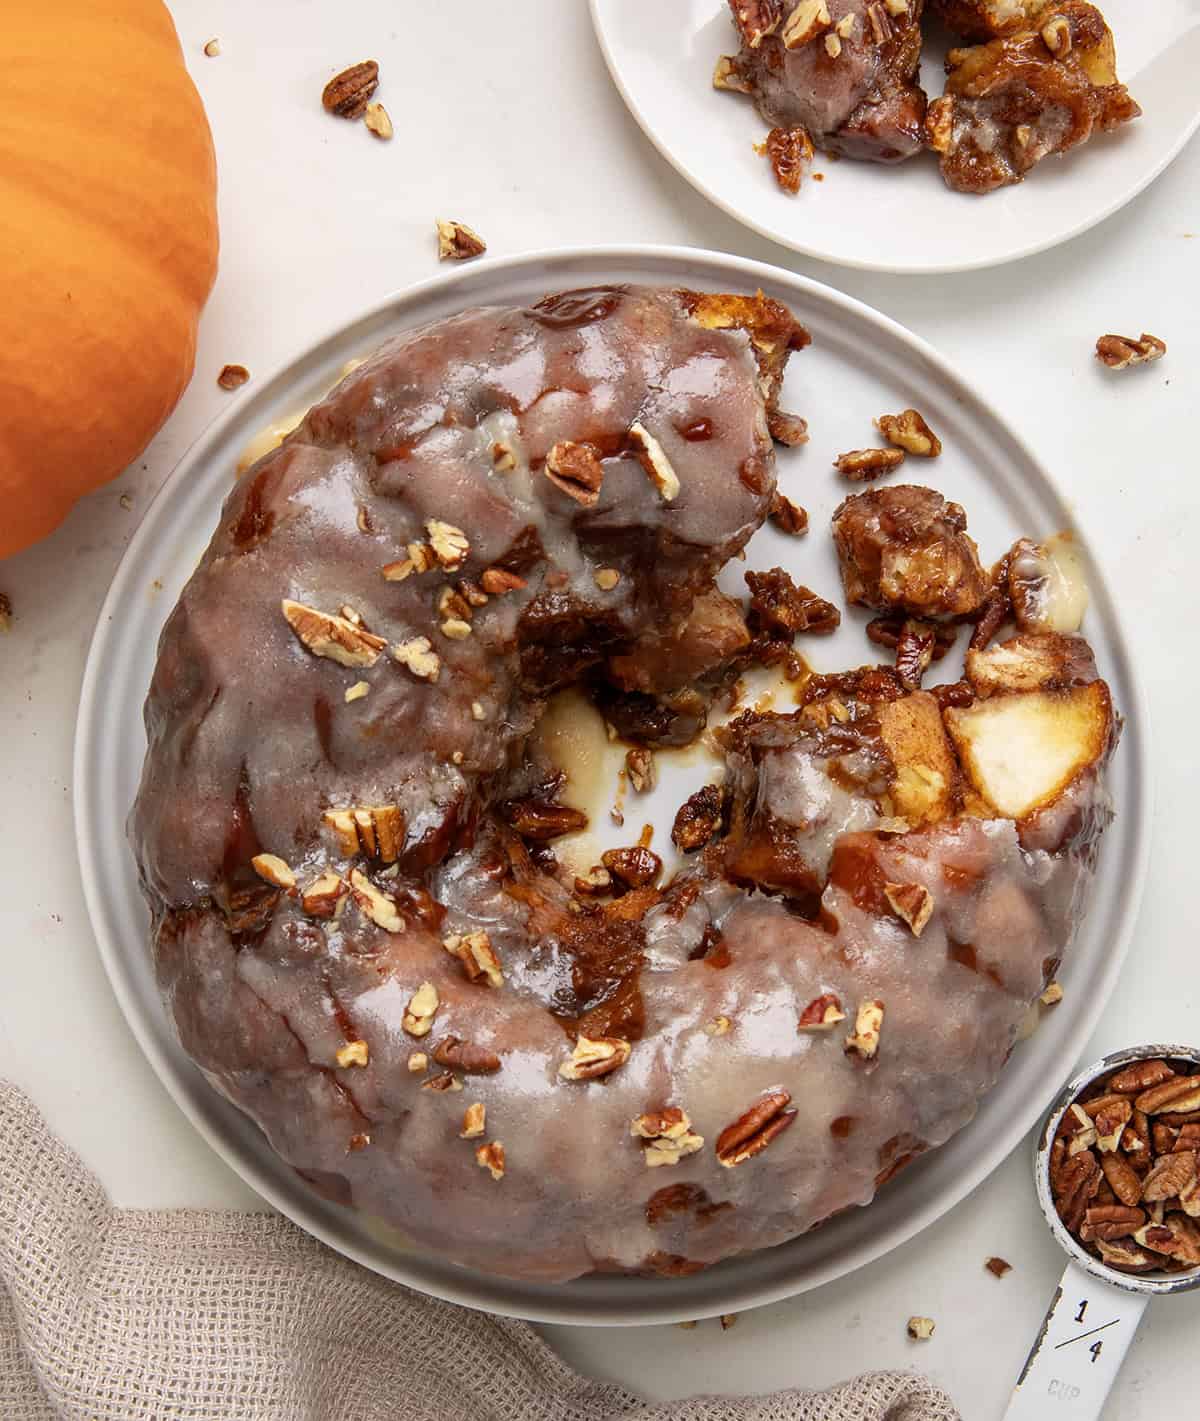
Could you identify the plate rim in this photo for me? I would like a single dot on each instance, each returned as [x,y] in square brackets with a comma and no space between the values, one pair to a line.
[479,1289]
[772,234]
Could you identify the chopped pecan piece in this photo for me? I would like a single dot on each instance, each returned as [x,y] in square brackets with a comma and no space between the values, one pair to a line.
[596,881]
[348,93]
[789,430]
[864,465]
[542,820]
[375,905]
[780,608]
[477,955]
[808,21]
[756,19]
[868,1021]
[1052,995]
[474,1121]
[698,818]
[379,121]
[422,1008]
[325,895]
[915,646]
[376,830]
[353,1053]
[491,1158]
[274,870]
[788,517]
[653,459]
[789,151]
[752,1132]
[447,1081]
[335,638]
[911,902]
[457,242]
[232,377]
[920,1329]
[639,765]
[450,544]
[595,1057]
[667,1136]
[909,431]
[998,1267]
[1119,352]
[821,1014]
[576,470]
[465,1056]
[498,580]
[418,655]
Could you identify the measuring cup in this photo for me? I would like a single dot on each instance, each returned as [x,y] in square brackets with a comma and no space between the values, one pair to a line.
[1096,1309]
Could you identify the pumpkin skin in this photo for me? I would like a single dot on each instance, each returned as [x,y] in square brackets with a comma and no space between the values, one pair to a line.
[108,247]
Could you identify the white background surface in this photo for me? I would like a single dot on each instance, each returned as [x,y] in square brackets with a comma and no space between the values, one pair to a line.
[505,117]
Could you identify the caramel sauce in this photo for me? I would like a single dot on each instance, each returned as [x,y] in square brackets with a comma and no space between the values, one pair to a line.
[571,309]
[323,721]
[841,1128]
[255,522]
[698,432]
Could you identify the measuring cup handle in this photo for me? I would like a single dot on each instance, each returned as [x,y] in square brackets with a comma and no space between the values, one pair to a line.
[1078,1352]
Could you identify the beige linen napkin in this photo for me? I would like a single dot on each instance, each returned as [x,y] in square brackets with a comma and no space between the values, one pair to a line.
[130,1314]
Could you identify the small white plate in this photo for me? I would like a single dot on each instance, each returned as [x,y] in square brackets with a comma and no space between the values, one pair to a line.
[860,364]
[901,219]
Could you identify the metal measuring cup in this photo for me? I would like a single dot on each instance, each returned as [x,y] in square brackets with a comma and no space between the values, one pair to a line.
[1096,1310]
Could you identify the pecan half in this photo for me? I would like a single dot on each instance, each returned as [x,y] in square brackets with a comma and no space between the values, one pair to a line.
[593,1057]
[465,1056]
[1171,1174]
[1119,352]
[374,904]
[1139,1076]
[1075,1187]
[1110,1221]
[541,820]
[1180,1094]
[752,1132]
[348,93]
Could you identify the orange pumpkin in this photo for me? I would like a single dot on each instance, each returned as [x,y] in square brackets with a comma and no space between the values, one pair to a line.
[108,247]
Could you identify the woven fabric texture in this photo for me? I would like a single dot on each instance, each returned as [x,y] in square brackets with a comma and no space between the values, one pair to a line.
[132,1315]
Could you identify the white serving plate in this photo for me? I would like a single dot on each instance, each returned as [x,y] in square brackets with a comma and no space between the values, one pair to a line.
[861,364]
[902,219]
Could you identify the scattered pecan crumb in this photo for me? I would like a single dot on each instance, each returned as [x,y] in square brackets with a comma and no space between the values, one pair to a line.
[1119,352]
[348,93]
[998,1267]
[353,1053]
[727,1320]
[781,608]
[787,516]
[639,764]
[232,377]
[1052,995]
[687,1326]
[212,48]
[6,613]
[595,882]
[457,242]
[921,1329]
[865,465]
[576,470]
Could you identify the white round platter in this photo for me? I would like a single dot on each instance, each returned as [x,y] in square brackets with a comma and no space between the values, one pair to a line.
[860,365]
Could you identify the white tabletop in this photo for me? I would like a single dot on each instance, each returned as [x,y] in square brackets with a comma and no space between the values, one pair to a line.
[507,120]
